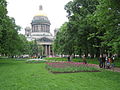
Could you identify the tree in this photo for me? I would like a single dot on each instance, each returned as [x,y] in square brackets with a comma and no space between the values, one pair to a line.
[78,12]
[10,42]
[3,13]
[106,20]
[93,28]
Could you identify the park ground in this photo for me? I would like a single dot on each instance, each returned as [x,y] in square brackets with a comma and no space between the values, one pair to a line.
[18,75]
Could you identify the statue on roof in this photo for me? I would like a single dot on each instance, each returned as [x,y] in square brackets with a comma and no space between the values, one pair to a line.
[40,8]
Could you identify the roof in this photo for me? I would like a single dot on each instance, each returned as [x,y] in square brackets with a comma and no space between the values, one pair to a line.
[39,19]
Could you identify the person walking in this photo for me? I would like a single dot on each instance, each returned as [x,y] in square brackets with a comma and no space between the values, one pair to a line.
[112,62]
[103,61]
[69,58]
[100,61]
[108,63]
[84,60]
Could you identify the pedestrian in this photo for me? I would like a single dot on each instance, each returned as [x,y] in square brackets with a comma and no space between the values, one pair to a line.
[69,58]
[112,62]
[100,61]
[103,61]
[113,59]
[108,63]
[84,60]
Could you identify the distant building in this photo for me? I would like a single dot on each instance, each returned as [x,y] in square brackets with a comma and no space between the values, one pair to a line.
[40,32]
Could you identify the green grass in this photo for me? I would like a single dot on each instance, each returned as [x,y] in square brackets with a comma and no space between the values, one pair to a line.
[35,61]
[19,75]
[56,58]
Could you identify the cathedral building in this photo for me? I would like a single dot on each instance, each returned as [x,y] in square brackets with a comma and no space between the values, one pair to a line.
[40,31]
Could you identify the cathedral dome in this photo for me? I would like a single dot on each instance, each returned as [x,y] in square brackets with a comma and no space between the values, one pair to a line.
[40,18]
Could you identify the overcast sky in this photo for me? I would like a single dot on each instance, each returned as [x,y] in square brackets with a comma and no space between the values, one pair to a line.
[24,10]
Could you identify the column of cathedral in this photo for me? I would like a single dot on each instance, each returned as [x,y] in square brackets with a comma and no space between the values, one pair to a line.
[40,28]
[32,28]
[47,50]
[44,28]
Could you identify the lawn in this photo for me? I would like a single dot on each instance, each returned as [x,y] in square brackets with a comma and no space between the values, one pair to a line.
[19,75]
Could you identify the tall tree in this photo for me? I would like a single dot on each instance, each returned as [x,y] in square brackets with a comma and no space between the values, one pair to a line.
[106,20]
[9,38]
[78,12]
[3,13]
[94,26]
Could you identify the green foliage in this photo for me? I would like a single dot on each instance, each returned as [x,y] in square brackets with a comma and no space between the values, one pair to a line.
[75,33]
[10,38]
[25,47]
[106,20]
[10,42]
[56,59]
[93,28]
[62,41]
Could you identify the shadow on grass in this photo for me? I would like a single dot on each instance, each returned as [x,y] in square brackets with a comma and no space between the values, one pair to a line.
[9,61]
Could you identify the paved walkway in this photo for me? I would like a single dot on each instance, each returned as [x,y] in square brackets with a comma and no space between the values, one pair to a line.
[116,69]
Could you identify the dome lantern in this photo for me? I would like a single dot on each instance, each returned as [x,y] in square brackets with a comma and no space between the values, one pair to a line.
[40,7]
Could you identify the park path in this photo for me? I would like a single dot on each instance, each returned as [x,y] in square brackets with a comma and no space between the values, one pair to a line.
[115,69]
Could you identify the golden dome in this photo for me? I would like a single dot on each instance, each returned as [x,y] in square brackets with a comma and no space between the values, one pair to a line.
[41,12]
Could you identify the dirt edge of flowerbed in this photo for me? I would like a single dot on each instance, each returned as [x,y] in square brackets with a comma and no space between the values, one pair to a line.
[73,71]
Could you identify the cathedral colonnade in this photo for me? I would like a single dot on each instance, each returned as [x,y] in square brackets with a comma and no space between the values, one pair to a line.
[47,50]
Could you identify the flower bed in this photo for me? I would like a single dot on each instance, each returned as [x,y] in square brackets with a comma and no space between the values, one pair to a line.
[69,67]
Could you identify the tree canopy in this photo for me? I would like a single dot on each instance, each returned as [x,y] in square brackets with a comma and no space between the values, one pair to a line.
[11,43]
[93,28]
